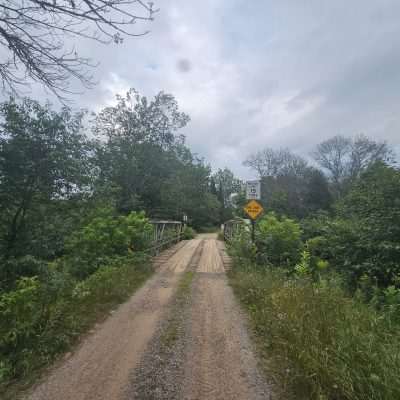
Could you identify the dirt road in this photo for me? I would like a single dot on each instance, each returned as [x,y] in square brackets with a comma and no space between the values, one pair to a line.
[126,358]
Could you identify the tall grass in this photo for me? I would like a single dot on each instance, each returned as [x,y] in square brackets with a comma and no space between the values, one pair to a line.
[317,342]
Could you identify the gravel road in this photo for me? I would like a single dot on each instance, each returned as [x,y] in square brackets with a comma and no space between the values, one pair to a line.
[211,358]
[219,362]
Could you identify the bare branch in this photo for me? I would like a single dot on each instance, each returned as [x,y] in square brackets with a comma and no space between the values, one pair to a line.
[34,33]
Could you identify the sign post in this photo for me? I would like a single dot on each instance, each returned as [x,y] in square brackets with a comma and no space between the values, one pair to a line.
[253,208]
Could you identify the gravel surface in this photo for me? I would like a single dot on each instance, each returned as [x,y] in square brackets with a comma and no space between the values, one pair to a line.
[160,374]
[219,360]
[127,357]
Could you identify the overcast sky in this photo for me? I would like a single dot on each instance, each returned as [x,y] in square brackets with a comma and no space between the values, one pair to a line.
[250,74]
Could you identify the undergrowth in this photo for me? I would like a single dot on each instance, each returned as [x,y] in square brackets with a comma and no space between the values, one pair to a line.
[317,342]
[36,324]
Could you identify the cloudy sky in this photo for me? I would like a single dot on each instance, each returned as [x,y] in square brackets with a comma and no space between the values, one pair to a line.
[287,73]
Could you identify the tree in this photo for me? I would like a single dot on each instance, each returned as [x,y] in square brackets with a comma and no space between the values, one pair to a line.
[344,159]
[145,161]
[35,32]
[187,191]
[44,160]
[226,185]
[139,147]
[365,152]
[317,194]
[270,162]
[288,184]
[363,240]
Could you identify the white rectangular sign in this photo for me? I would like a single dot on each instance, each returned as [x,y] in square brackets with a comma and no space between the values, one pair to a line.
[253,190]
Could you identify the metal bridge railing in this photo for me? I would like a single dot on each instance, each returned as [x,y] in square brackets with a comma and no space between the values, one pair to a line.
[165,234]
[232,228]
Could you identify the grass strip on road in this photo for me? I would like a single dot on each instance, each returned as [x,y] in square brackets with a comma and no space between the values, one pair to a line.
[170,333]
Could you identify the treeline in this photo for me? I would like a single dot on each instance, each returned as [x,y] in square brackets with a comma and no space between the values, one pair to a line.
[58,167]
[295,187]
[348,207]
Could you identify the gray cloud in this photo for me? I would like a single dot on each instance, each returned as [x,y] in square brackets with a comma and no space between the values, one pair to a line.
[254,74]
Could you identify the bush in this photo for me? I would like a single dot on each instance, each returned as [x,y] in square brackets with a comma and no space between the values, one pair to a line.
[105,237]
[241,247]
[188,233]
[362,240]
[14,268]
[278,241]
[317,341]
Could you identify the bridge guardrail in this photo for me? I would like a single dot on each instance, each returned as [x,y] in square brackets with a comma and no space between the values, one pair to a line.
[233,227]
[165,233]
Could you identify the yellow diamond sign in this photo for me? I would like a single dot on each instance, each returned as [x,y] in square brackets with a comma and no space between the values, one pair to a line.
[253,209]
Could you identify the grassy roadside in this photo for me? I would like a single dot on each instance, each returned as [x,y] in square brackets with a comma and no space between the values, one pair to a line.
[316,342]
[40,338]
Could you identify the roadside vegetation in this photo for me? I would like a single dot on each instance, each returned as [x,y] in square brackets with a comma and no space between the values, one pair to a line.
[188,233]
[76,197]
[44,312]
[322,288]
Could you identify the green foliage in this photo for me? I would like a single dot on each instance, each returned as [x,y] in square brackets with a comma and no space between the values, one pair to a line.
[188,233]
[148,165]
[225,185]
[372,209]
[14,268]
[44,160]
[317,342]
[241,247]
[38,320]
[71,229]
[105,237]
[220,235]
[290,186]
[278,241]
[345,159]
[362,240]
[303,268]
[310,264]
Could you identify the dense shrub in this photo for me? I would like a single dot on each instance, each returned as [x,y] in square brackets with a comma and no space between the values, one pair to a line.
[362,240]
[278,240]
[14,268]
[106,236]
[372,209]
[242,248]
